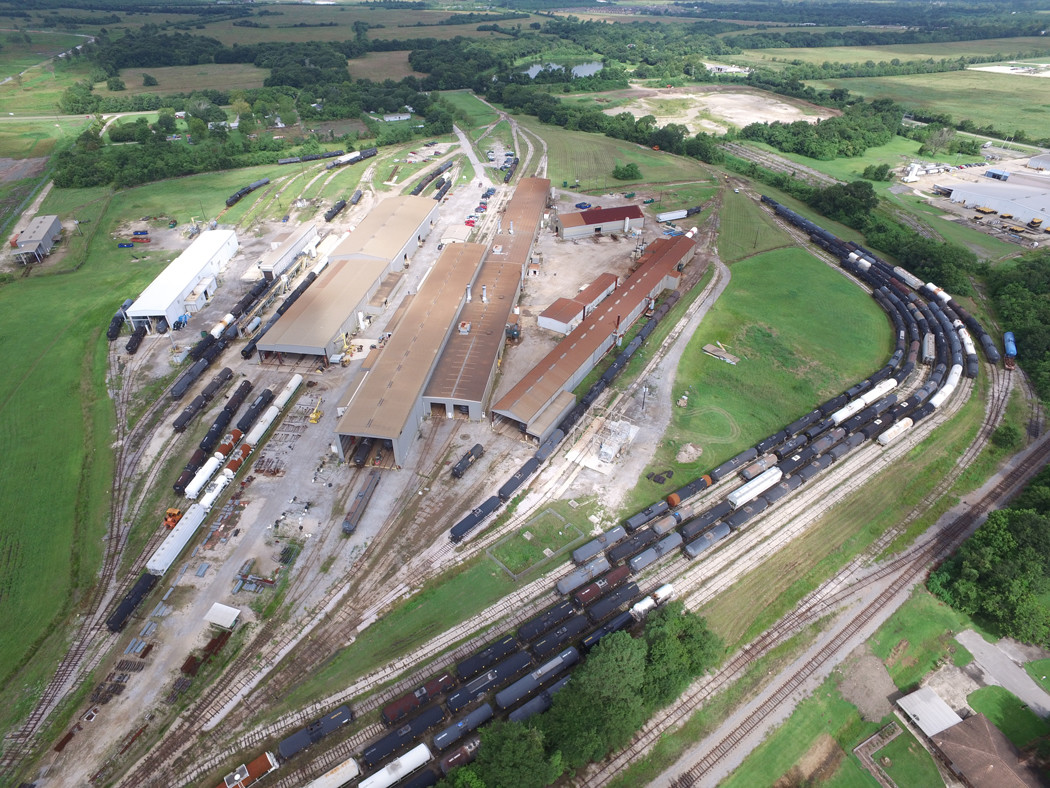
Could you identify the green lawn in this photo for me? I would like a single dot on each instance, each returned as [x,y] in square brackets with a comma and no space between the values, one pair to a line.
[466,103]
[17,54]
[1006,711]
[679,195]
[1039,670]
[1007,101]
[825,713]
[792,358]
[590,158]
[26,139]
[916,637]
[746,230]
[909,763]
[528,546]
[444,602]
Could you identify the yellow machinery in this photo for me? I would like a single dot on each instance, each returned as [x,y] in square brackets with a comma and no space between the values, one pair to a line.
[316,414]
[172,517]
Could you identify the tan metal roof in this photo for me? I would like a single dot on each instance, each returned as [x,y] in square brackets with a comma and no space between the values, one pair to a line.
[383,403]
[465,365]
[316,317]
[534,392]
[387,227]
[600,216]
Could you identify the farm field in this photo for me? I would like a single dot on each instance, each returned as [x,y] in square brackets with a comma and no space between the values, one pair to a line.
[378,66]
[29,139]
[592,163]
[186,79]
[18,55]
[904,52]
[1009,102]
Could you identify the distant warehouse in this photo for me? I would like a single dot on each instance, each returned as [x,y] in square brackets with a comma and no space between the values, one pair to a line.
[188,283]
[35,242]
[1023,203]
[600,221]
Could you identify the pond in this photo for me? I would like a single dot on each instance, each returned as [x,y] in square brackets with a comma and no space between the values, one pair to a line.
[577,69]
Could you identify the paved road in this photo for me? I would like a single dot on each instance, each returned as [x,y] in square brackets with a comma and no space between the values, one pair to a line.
[1001,670]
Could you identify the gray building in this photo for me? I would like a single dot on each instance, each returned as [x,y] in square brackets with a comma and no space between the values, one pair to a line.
[1021,199]
[35,242]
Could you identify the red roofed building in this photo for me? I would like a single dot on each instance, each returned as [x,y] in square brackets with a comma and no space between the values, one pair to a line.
[250,773]
[566,313]
[600,221]
[983,757]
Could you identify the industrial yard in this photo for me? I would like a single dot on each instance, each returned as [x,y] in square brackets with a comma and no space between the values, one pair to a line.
[378,444]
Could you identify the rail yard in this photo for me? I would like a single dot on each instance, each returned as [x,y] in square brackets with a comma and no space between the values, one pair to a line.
[345,536]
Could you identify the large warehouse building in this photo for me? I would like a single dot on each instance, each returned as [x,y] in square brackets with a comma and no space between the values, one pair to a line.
[187,283]
[542,398]
[600,221]
[387,404]
[463,380]
[339,302]
[1025,197]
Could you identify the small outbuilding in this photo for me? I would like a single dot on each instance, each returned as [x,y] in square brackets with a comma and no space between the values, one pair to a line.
[566,313]
[35,242]
[928,712]
[600,221]
[1040,162]
[223,616]
[188,282]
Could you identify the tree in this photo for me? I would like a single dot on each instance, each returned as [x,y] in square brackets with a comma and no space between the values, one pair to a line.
[513,755]
[877,172]
[116,83]
[1007,437]
[198,129]
[149,81]
[166,121]
[627,172]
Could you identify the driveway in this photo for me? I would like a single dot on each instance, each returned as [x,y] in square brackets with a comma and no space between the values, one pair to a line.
[1001,670]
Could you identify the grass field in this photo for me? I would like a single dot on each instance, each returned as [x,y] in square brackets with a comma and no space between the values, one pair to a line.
[1006,711]
[378,66]
[17,55]
[27,139]
[443,602]
[536,541]
[1007,101]
[982,244]
[592,160]
[916,637]
[39,89]
[903,52]
[478,113]
[675,196]
[907,762]
[186,79]
[825,713]
[792,357]
[747,230]
[1039,670]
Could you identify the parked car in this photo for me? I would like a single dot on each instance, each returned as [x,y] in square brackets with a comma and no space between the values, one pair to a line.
[583,206]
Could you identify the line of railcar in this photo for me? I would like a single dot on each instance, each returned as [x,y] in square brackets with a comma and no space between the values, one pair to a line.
[249,349]
[430,176]
[507,490]
[238,195]
[216,431]
[330,154]
[116,323]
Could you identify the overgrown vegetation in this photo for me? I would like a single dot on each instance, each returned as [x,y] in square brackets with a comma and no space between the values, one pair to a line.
[623,681]
[1022,298]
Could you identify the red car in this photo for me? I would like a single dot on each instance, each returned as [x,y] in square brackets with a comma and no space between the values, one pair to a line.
[469,222]
[140,239]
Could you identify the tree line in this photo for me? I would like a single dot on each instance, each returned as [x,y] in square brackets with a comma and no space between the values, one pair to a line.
[1021,293]
[609,697]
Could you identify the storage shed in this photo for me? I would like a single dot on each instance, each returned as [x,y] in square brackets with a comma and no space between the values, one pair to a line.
[600,221]
[223,616]
[35,242]
[566,313]
[928,712]
[187,283]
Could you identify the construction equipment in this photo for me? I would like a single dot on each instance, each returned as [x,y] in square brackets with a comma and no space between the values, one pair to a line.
[172,517]
[316,414]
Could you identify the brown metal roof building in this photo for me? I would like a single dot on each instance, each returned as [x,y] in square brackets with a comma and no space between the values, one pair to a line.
[388,403]
[599,221]
[383,242]
[983,757]
[566,313]
[464,375]
[544,395]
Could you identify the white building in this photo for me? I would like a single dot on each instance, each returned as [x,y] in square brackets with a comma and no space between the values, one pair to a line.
[188,282]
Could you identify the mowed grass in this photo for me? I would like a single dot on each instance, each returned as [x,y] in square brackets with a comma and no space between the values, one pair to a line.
[903,52]
[573,155]
[824,714]
[913,641]
[1009,714]
[1039,670]
[907,762]
[187,79]
[526,547]
[794,354]
[379,66]
[746,229]
[474,109]
[39,89]
[1008,102]
[675,196]
[443,602]
[29,139]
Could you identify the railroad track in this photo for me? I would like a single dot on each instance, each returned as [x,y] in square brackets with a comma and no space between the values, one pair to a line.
[776,163]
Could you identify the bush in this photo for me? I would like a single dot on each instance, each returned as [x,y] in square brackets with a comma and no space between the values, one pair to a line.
[116,83]
[627,172]
[149,81]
